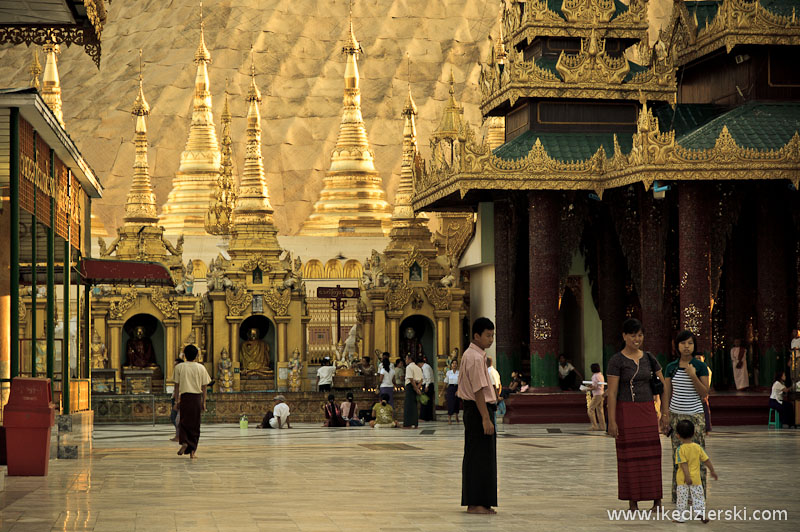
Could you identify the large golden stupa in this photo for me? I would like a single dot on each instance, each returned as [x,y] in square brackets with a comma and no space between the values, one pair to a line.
[352,202]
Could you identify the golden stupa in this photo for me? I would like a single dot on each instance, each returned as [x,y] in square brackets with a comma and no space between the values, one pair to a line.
[409,230]
[253,233]
[51,85]
[195,181]
[140,237]
[352,201]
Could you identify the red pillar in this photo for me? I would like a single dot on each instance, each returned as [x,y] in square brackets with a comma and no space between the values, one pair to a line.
[653,229]
[544,245]
[694,259]
[611,276]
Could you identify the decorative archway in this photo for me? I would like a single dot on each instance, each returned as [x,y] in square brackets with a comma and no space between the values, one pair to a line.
[313,270]
[424,337]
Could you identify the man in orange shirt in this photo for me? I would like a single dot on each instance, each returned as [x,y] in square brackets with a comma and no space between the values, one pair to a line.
[479,467]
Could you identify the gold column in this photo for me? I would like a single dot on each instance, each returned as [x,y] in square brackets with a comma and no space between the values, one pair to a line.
[455,331]
[283,354]
[379,333]
[442,317]
[171,348]
[114,347]
[393,326]
[369,342]
[233,335]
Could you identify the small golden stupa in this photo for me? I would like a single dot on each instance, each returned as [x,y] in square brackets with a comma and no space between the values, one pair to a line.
[195,181]
[352,201]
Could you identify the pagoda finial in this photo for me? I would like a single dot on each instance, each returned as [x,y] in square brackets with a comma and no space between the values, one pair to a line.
[405,190]
[51,86]
[202,53]
[252,200]
[452,124]
[140,207]
[499,45]
[35,70]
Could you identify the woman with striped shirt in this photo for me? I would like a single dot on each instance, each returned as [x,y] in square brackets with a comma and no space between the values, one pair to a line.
[686,383]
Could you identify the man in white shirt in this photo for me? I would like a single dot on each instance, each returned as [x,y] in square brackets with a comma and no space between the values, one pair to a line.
[280,414]
[495,376]
[426,411]
[191,380]
[325,375]
[413,388]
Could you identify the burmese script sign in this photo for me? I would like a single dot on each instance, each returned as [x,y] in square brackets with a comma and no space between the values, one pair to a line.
[337,292]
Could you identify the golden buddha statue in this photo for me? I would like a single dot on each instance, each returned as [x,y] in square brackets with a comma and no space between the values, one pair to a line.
[254,355]
[139,350]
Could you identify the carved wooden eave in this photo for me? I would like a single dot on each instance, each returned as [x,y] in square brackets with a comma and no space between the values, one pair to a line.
[85,32]
[737,22]
[538,20]
[655,156]
[604,80]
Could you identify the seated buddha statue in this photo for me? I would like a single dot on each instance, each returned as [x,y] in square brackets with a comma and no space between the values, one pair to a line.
[139,350]
[254,355]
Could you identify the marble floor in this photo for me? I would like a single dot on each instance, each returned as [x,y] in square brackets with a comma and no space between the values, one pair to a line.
[559,477]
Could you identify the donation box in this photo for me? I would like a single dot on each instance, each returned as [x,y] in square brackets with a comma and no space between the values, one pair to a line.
[28,418]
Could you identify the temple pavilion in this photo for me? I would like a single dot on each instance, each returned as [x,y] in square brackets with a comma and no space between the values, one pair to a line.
[657,182]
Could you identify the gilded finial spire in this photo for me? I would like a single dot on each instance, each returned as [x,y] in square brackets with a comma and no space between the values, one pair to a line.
[499,45]
[252,200]
[140,207]
[51,86]
[218,217]
[194,184]
[35,70]
[452,124]
[342,209]
[405,190]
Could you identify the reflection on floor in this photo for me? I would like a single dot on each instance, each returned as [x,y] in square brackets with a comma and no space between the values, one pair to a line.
[313,478]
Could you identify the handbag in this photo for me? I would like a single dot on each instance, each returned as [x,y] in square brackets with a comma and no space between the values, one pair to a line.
[655,383]
[423,399]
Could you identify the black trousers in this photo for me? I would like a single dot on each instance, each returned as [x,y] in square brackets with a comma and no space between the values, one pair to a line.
[479,468]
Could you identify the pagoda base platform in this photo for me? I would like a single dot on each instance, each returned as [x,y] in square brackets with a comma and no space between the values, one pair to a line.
[260,384]
[556,407]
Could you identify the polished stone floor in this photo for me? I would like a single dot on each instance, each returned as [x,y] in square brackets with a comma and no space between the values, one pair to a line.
[559,477]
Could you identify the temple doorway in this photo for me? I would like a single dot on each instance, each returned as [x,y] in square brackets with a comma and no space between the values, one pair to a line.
[570,326]
[143,333]
[257,355]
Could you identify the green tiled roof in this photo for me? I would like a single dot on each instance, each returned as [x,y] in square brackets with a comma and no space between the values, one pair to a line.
[564,146]
[757,125]
[685,116]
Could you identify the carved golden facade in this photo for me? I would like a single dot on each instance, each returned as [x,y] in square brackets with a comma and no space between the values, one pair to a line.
[736,22]
[352,201]
[220,210]
[195,181]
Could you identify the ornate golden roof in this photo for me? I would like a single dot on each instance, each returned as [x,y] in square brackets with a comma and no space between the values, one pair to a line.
[140,207]
[655,155]
[194,183]
[451,126]
[524,21]
[51,84]
[727,24]
[352,201]
[591,73]
[220,210]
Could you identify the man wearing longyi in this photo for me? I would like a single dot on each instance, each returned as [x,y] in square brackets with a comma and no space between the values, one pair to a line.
[479,468]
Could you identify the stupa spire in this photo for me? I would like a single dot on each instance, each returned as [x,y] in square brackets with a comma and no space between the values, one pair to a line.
[352,202]
[218,217]
[140,207]
[35,70]
[405,190]
[51,86]
[252,200]
[195,182]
